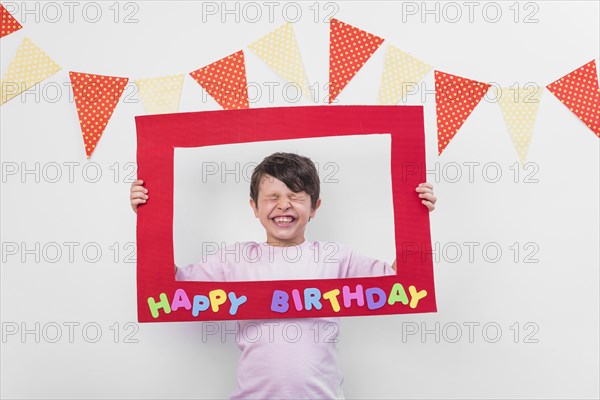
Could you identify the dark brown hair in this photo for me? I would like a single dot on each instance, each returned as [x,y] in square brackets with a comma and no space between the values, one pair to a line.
[297,172]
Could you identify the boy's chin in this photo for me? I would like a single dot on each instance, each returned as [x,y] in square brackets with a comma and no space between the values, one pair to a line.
[286,239]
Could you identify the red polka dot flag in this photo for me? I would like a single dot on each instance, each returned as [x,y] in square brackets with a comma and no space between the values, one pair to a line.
[349,49]
[579,91]
[9,23]
[225,81]
[96,97]
[455,98]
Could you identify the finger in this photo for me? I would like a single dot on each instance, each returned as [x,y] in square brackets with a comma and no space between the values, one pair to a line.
[139,189]
[429,205]
[423,189]
[138,195]
[136,202]
[429,197]
[426,184]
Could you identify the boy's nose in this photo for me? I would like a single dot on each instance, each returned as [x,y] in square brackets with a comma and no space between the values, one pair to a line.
[283,204]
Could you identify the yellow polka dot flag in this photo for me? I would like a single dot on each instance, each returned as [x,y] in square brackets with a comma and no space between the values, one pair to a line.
[519,107]
[579,91]
[225,81]
[455,98]
[9,23]
[400,72]
[161,95]
[349,49]
[96,97]
[279,49]
[30,66]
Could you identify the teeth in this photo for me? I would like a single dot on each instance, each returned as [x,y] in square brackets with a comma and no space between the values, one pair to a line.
[283,219]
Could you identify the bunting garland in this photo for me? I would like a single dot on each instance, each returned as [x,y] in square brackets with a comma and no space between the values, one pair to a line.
[225,81]
[9,23]
[579,92]
[455,98]
[96,97]
[279,49]
[519,108]
[400,70]
[161,95]
[349,49]
[30,66]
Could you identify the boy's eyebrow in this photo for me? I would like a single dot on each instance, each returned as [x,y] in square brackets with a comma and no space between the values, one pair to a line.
[276,194]
[273,194]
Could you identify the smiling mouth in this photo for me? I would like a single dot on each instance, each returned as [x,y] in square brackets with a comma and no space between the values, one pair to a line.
[283,220]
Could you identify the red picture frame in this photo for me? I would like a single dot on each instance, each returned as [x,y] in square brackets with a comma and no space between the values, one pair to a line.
[160,298]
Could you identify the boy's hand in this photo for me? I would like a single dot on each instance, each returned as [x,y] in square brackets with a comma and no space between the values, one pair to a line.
[425,191]
[138,194]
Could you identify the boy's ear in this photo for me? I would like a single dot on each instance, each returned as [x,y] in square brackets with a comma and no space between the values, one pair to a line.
[314,210]
[254,207]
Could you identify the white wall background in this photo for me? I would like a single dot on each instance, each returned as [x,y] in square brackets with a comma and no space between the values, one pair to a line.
[553,220]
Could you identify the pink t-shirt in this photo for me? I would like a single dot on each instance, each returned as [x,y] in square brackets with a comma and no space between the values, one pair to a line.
[289,358]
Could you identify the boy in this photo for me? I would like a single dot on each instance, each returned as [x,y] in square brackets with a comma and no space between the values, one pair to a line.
[284,195]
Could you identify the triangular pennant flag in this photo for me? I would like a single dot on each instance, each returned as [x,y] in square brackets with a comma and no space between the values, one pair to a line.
[161,95]
[400,72]
[96,97]
[579,91]
[9,23]
[279,49]
[30,66]
[519,108]
[349,50]
[455,98]
[225,81]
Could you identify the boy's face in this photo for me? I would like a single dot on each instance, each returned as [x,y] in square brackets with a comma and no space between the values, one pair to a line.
[283,213]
